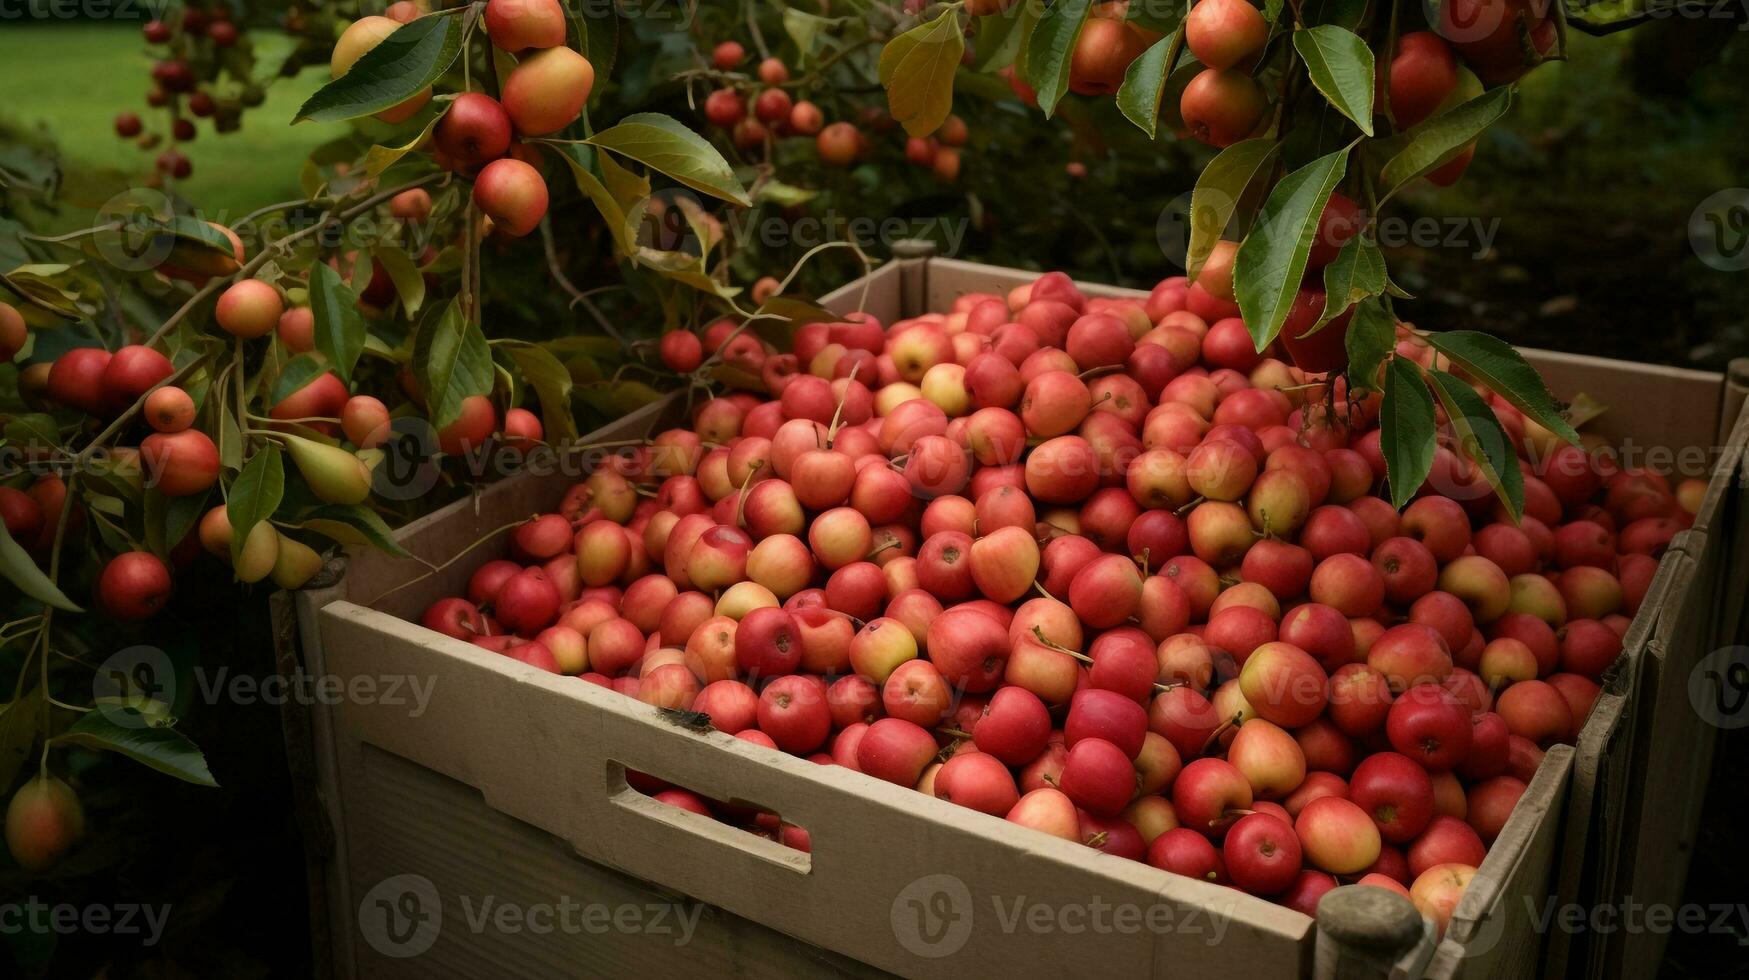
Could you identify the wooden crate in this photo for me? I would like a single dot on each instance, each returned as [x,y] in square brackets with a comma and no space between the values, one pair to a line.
[510,785]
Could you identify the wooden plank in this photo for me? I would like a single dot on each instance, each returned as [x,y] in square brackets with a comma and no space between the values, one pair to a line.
[875,847]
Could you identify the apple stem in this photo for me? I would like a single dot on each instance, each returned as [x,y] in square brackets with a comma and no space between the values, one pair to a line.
[1042,591]
[1100,371]
[1052,644]
[1215,736]
[838,412]
[1190,506]
[741,500]
[956,733]
[1143,560]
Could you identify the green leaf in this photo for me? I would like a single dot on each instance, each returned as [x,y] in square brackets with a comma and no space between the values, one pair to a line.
[784,195]
[664,145]
[339,326]
[630,191]
[353,524]
[1505,372]
[163,749]
[551,383]
[1372,335]
[611,210]
[1144,82]
[1357,272]
[254,496]
[20,720]
[1003,36]
[1340,65]
[1050,49]
[598,37]
[1433,142]
[1481,439]
[402,66]
[1218,190]
[18,568]
[1406,430]
[804,29]
[33,429]
[380,158]
[1272,259]
[917,69]
[404,273]
[451,362]
[299,371]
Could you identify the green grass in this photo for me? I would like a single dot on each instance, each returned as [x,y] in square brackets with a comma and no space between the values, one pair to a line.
[80,76]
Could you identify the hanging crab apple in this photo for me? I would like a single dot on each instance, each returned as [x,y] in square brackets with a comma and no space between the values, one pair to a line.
[546,91]
[363,35]
[516,25]
[249,309]
[513,194]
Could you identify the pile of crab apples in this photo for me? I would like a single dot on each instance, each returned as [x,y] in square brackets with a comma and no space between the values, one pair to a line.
[1098,567]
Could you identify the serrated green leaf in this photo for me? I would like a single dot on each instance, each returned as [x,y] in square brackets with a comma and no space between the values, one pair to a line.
[917,70]
[339,325]
[1272,259]
[1216,196]
[1504,371]
[1357,272]
[1340,64]
[1406,430]
[552,385]
[1372,335]
[254,496]
[451,362]
[667,147]
[18,568]
[1144,82]
[1481,439]
[1434,142]
[402,66]
[163,749]
[1051,48]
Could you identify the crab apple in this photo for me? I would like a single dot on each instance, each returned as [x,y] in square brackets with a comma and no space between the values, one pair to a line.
[1014,728]
[1222,33]
[1490,747]
[1220,533]
[475,131]
[1261,853]
[1506,661]
[1155,535]
[1103,52]
[180,463]
[1430,725]
[1320,631]
[133,585]
[1446,840]
[1063,470]
[1184,851]
[1588,593]
[1220,470]
[1446,615]
[76,380]
[1348,583]
[546,91]
[512,193]
[527,602]
[1318,785]
[1048,810]
[43,820]
[1098,777]
[1337,836]
[1271,760]
[1340,221]
[1284,684]
[918,693]
[515,25]
[1094,713]
[1439,523]
[768,643]
[1004,563]
[1106,591]
[839,144]
[1480,584]
[979,782]
[1395,792]
[22,516]
[131,372]
[454,617]
[1409,569]
[792,710]
[361,36]
[1222,107]
[1209,794]
[1536,711]
[969,648]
